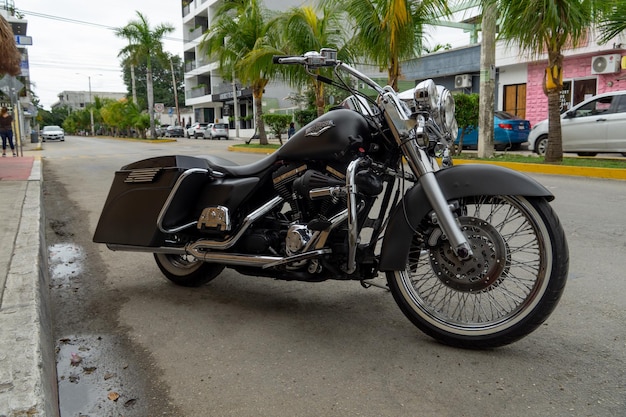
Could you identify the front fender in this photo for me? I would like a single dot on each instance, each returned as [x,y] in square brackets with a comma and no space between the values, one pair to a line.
[455,182]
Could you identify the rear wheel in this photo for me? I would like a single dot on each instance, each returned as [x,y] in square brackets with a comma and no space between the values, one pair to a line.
[510,286]
[185,270]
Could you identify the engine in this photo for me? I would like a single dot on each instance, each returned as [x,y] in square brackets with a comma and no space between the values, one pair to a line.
[295,182]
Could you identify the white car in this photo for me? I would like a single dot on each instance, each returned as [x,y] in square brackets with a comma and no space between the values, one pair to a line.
[597,125]
[196,130]
[52,133]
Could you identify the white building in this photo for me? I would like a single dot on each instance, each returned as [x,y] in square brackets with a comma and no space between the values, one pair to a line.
[210,96]
[77,100]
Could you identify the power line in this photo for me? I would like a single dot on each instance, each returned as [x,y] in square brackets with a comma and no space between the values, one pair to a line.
[82,22]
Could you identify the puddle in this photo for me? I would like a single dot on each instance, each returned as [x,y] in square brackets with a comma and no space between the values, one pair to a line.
[90,385]
[66,260]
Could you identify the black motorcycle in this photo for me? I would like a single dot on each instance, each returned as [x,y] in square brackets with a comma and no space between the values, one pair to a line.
[474,255]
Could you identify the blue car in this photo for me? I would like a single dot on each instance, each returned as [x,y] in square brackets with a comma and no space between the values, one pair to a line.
[509,132]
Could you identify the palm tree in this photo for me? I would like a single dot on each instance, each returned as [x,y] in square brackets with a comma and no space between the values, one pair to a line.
[304,30]
[613,21]
[243,43]
[388,31]
[539,27]
[145,44]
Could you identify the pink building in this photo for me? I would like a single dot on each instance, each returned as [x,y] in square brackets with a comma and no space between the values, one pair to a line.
[579,82]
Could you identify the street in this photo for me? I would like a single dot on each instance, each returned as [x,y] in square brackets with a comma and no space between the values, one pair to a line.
[130,343]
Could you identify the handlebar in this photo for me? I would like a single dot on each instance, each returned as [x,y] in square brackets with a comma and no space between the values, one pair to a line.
[287,59]
[325,58]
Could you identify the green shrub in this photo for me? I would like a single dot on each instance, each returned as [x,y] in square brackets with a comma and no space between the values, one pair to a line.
[466,113]
[278,123]
[304,117]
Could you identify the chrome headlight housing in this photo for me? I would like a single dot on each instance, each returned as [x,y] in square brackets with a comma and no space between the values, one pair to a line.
[426,96]
[446,108]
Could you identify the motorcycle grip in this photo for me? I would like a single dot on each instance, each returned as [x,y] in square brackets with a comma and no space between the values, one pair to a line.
[277,58]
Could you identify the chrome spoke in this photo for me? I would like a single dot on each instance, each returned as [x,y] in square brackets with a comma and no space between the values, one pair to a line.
[445,290]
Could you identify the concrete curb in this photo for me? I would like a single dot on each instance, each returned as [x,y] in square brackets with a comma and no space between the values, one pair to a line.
[609,173]
[28,383]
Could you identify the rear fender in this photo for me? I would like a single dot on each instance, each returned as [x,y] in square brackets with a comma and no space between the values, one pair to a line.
[456,182]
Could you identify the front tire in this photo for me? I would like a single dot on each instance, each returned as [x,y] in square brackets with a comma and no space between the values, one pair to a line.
[510,286]
[541,145]
[186,271]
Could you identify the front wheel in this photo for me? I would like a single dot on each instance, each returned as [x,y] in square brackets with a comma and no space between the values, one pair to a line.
[185,270]
[504,292]
[541,145]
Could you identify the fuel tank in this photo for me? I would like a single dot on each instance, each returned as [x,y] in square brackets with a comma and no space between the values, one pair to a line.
[329,137]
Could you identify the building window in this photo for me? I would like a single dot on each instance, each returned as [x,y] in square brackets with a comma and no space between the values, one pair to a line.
[515,100]
[576,91]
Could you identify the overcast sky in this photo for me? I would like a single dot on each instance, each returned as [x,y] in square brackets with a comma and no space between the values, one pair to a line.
[74,36]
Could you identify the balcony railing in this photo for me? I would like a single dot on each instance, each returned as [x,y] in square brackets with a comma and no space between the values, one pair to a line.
[199,91]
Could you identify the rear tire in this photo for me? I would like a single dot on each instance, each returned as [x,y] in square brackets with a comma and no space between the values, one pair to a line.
[509,287]
[186,271]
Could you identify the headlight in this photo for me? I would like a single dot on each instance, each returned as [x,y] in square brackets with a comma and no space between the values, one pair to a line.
[446,108]
[454,131]
[425,95]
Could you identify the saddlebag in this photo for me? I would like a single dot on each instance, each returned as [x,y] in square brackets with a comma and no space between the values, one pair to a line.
[138,194]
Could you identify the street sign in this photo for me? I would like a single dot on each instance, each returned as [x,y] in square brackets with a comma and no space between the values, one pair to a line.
[8,83]
[23,40]
[159,107]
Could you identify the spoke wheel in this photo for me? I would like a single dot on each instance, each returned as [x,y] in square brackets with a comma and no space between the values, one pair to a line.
[506,290]
[186,270]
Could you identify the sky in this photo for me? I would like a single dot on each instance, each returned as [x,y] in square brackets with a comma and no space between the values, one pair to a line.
[74,41]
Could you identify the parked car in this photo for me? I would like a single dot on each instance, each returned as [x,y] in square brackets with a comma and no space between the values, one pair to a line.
[216,130]
[52,133]
[597,125]
[174,132]
[196,130]
[510,132]
[160,130]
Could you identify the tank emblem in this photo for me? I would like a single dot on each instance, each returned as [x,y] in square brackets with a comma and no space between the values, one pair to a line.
[319,127]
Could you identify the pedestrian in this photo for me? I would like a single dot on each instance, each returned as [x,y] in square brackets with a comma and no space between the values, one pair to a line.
[6,130]
[291,131]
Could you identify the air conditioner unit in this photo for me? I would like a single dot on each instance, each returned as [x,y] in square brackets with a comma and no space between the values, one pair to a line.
[463,81]
[605,64]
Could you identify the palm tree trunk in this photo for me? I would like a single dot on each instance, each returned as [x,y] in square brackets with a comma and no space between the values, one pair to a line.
[487,82]
[150,88]
[319,97]
[554,151]
[133,83]
[393,73]
[257,92]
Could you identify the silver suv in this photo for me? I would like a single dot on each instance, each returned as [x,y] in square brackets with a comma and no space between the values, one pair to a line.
[196,130]
[597,125]
[216,130]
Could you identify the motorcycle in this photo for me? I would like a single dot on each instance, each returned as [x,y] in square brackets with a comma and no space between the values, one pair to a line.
[473,255]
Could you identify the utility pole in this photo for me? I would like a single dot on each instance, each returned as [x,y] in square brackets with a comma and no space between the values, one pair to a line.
[175,91]
[487,80]
[236,106]
[93,131]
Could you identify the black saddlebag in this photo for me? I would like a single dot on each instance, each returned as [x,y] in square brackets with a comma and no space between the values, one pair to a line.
[138,194]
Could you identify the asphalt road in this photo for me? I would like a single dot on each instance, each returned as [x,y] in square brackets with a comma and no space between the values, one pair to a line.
[245,346]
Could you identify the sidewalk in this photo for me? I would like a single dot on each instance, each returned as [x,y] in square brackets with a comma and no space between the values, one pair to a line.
[27,360]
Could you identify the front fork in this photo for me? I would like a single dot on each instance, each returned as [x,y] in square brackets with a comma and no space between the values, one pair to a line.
[422,166]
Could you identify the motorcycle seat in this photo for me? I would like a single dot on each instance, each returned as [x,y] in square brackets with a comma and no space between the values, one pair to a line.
[231,169]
